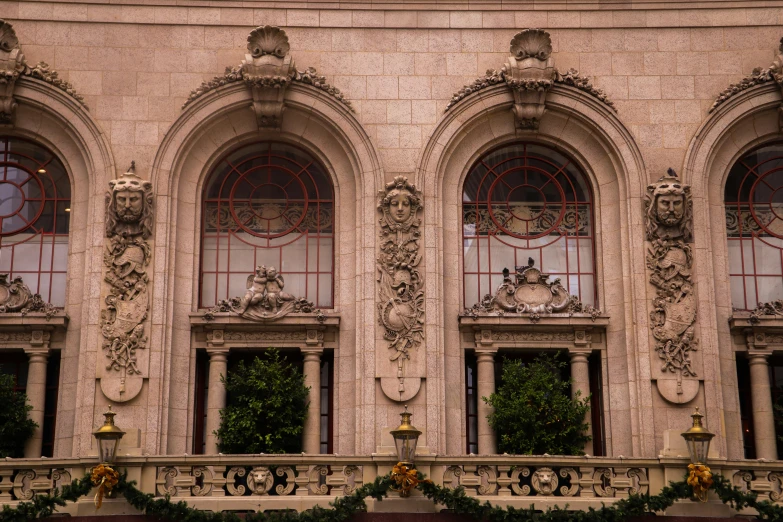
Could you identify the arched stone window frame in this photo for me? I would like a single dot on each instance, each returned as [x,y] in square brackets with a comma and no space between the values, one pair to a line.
[588,131]
[208,128]
[48,115]
[744,121]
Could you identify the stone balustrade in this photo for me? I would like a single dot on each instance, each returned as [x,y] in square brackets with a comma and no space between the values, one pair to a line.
[272,482]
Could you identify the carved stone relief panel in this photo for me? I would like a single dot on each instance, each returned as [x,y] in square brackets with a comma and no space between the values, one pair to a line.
[129,208]
[400,289]
[669,227]
[531,294]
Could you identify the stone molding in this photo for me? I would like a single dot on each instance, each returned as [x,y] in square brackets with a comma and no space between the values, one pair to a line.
[13,66]
[268,70]
[530,73]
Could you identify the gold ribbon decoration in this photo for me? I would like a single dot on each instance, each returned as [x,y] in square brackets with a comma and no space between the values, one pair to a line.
[104,478]
[700,479]
[406,478]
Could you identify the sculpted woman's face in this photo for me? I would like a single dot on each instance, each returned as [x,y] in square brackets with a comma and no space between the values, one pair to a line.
[400,206]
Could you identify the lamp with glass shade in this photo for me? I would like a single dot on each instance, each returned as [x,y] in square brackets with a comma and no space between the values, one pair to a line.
[698,440]
[108,437]
[406,436]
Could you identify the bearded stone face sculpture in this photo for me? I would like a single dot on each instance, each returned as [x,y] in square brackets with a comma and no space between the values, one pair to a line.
[669,209]
[129,206]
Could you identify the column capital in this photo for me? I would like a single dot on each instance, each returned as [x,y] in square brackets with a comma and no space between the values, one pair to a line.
[579,355]
[37,353]
[217,354]
[758,357]
[311,355]
[485,355]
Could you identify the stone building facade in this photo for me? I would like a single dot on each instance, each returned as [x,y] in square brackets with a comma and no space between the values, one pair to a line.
[351,189]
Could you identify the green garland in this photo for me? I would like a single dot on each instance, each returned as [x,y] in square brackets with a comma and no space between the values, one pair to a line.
[343,507]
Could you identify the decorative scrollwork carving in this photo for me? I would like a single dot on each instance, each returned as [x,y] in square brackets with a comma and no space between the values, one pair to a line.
[314,485]
[602,478]
[234,489]
[15,296]
[638,477]
[290,476]
[451,476]
[573,476]
[520,471]
[164,485]
[757,77]
[772,308]
[489,484]
[356,473]
[203,476]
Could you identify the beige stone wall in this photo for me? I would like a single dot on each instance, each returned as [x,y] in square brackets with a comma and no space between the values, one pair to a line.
[662,68]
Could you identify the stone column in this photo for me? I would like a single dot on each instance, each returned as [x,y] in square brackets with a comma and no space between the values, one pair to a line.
[580,377]
[763,414]
[486,387]
[311,438]
[36,394]
[216,400]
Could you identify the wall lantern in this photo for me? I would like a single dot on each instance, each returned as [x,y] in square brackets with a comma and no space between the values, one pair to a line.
[406,436]
[108,437]
[698,440]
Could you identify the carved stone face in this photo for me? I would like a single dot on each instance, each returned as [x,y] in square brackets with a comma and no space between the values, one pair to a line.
[670,208]
[129,205]
[262,479]
[271,272]
[400,205]
[546,480]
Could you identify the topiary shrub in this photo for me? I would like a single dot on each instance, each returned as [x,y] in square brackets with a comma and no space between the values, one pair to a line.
[534,412]
[15,425]
[267,407]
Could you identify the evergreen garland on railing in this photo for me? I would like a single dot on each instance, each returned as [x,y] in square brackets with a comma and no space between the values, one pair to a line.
[343,507]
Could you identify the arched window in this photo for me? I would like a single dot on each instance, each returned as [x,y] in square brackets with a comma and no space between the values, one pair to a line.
[527,201]
[35,199]
[754,226]
[268,204]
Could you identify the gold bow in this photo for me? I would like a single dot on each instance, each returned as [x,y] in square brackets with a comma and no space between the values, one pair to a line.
[405,478]
[105,478]
[700,479]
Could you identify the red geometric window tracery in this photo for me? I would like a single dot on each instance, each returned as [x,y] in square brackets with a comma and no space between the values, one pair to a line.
[268,204]
[527,201]
[35,200]
[754,224]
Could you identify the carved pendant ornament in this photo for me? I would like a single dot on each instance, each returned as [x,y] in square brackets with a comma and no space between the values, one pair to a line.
[531,293]
[400,290]
[129,207]
[13,65]
[530,73]
[669,224]
[264,299]
[268,70]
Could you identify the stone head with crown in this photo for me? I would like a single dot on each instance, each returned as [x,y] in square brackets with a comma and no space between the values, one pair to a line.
[129,206]
[669,209]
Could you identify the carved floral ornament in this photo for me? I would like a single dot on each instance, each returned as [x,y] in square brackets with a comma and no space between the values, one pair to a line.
[668,209]
[13,65]
[530,73]
[16,297]
[758,76]
[267,70]
[129,218]
[531,294]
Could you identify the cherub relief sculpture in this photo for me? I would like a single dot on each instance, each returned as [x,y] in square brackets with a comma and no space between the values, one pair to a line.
[530,292]
[669,226]
[265,299]
[129,208]
[401,304]
[260,480]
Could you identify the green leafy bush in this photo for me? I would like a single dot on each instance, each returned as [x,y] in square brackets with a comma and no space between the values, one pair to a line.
[15,426]
[267,407]
[534,412]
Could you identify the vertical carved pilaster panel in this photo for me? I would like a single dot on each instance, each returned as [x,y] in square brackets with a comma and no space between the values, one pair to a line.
[669,223]
[400,290]
[129,206]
